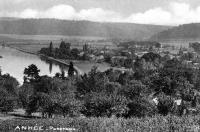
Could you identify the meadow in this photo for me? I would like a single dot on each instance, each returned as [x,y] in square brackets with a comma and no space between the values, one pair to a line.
[33,43]
[146,124]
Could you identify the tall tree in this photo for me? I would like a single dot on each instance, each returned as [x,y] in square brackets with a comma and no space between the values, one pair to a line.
[51,47]
[71,69]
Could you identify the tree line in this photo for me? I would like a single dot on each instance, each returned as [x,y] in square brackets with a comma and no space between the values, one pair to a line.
[64,51]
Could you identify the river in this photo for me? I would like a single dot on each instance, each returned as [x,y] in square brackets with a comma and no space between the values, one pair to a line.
[14,62]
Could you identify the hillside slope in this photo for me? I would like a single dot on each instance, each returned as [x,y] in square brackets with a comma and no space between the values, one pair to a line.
[78,28]
[186,31]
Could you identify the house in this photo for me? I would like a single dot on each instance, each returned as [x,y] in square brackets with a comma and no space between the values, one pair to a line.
[92,57]
[178,102]
[140,54]
[155,100]
[81,54]
[196,65]
[100,58]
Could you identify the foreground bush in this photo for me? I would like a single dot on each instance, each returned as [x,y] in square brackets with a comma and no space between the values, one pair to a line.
[154,124]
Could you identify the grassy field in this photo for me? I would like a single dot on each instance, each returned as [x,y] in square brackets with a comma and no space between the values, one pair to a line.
[34,43]
[147,124]
[49,37]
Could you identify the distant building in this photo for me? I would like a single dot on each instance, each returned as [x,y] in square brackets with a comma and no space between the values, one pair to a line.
[140,54]
[81,53]
[100,58]
[126,53]
[92,57]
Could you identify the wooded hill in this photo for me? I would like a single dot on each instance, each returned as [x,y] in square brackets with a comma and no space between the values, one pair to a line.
[186,31]
[78,28]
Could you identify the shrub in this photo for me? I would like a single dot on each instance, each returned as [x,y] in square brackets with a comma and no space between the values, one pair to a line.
[140,107]
[165,104]
[102,105]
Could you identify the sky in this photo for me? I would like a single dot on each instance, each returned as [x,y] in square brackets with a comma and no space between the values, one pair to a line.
[158,12]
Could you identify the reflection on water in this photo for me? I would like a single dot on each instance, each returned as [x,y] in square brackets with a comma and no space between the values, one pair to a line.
[62,67]
[14,63]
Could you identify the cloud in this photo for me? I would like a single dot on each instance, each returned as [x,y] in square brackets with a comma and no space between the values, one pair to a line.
[183,13]
[60,12]
[18,1]
[67,12]
[152,16]
[28,13]
[98,14]
[176,13]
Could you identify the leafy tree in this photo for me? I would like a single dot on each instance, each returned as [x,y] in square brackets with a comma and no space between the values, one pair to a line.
[9,83]
[67,104]
[112,88]
[151,56]
[64,49]
[162,84]
[44,85]
[113,75]
[140,107]
[25,91]
[75,53]
[64,45]
[85,56]
[87,83]
[102,105]
[41,102]
[185,89]
[57,75]
[165,104]
[31,73]
[62,75]
[7,104]
[8,93]
[128,63]
[50,96]
[158,45]
[125,77]
[107,58]
[197,81]
[134,89]
[51,47]
[71,70]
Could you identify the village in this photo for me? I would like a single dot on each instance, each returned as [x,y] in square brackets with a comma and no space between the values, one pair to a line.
[124,56]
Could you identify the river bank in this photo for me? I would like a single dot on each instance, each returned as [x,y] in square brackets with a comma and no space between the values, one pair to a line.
[78,71]
[81,67]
